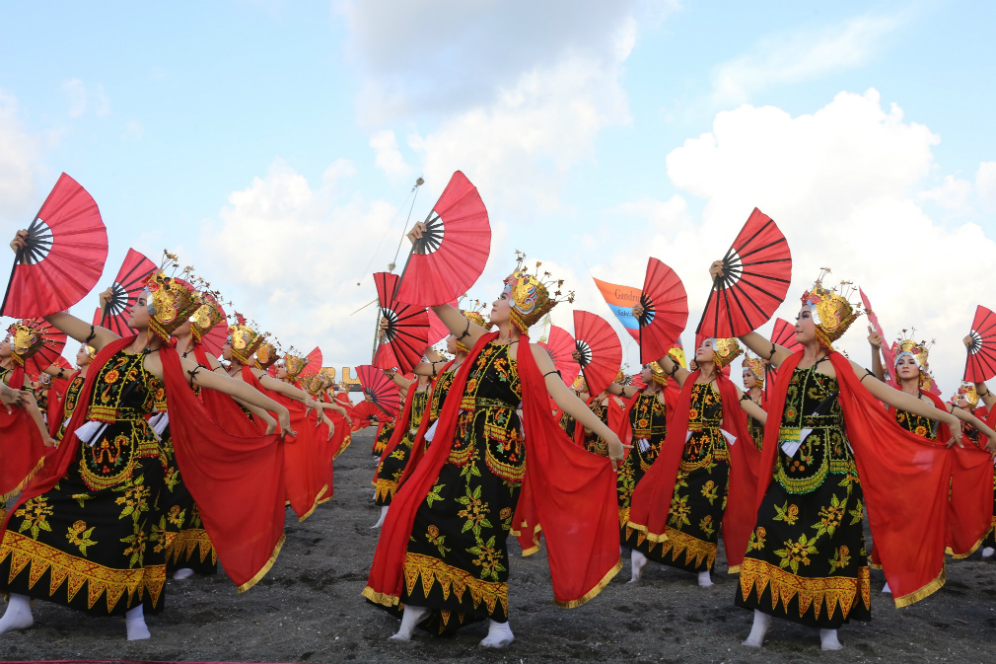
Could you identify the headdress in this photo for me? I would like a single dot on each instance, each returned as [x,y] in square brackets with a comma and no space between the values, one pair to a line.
[328,373]
[918,351]
[967,390]
[26,339]
[677,353]
[474,315]
[832,312]
[658,374]
[207,316]
[266,355]
[316,385]
[756,366]
[724,351]
[90,350]
[171,302]
[243,339]
[529,298]
[621,378]
[580,385]
[294,364]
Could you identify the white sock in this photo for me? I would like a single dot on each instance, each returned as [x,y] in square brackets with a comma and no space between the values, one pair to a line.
[135,624]
[762,623]
[705,579]
[887,589]
[409,621]
[637,562]
[18,614]
[183,573]
[987,552]
[380,521]
[499,635]
[828,640]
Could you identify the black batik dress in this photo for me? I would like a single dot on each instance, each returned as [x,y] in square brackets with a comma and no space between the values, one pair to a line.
[806,559]
[436,400]
[69,404]
[648,418]
[457,559]
[97,541]
[592,441]
[391,468]
[700,489]
[384,433]
[568,424]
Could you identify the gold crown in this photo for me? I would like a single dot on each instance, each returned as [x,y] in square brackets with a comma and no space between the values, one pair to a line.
[621,378]
[266,355]
[832,312]
[207,316]
[580,384]
[475,317]
[328,373]
[967,390]
[171,302]
[658,374]
[244,340]
[529,298]
[678,355]
[919,351]
[317,384]
[724,351]
[26,339]
[756,366]
[294,364]
[92,352]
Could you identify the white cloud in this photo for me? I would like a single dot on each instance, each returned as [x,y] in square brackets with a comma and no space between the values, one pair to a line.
[800,56]
[388,156]
[18,162]
[842,183]
[953,193]
[76,92]
[985,182]
[133,131]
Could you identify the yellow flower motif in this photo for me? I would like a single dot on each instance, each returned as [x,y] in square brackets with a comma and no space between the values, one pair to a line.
[709,491]
[434,538]
[831,517]
[176,516]
[488,558]
[795,553]
[757,539]
[841,560]
[135,499]
[787,513]
[35,512]
[79,535]
[705,525]
[680,511]
[475,511]
[136,546]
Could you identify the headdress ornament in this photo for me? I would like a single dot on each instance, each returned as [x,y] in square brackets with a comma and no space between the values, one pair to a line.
[967,390]
[207,316]
[266,355]
[907,346]
[530,298]
[244,340]
[294,364]
[724,351]
[832,312]
[756,366]
[621,378]
[26,339]
[171,302]
[473,314]
[658,374]
[580,385]
[677,353]
[328,373]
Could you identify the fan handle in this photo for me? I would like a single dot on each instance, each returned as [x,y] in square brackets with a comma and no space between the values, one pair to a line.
[17,259]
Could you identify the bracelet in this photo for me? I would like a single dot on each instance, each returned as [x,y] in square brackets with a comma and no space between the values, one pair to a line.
[867,373]
[93,333]
[552,372]
[772,353]
[674,369]
[986,394]
[466,332]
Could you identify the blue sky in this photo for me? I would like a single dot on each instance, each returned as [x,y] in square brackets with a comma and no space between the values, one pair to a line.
[272,143]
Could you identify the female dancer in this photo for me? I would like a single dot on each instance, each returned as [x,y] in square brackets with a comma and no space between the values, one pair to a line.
[23,341]
[967,402]
[808,531]
[691,491]
[754,386]
[608,408]
[449,522]
[112,481]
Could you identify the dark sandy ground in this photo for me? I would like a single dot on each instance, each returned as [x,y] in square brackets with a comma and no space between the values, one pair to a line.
[309,609]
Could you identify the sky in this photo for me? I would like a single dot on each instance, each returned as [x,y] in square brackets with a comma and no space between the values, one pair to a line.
[273,145]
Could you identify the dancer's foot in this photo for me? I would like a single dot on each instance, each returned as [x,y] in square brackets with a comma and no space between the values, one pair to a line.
[380,521]
[762,623]
[705,579]
[637,561]
[887,589]
[135,624]
[987,552]
[499,635]
[18,614]
[828,640]
[183,573]
[409,621]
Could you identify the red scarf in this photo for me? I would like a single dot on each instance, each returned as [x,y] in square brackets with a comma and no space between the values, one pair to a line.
[574,493]
[222,407]
[651,502]
[904,479]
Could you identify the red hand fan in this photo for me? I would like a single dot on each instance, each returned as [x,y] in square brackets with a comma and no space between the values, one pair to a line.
[362,412]
[783,335]
[313,366]
[599,348]
[981,363]
[757,271]
[53,341]
[437,329]
[380,389]
[560,345]
[452,252]
[890,356]
[64,258]
[407,332]
[128,285]
[215,339]
[665,311]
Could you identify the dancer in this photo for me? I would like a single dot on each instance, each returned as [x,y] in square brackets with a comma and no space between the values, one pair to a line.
[689,492]
[807,547]
[23,340]
[967,401]
[753,373]
[449,523]
[610,410]
[92,513]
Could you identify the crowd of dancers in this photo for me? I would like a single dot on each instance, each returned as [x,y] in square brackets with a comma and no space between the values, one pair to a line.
[156,457]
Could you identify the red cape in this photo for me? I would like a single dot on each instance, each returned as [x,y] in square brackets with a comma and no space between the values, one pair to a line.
[574,493]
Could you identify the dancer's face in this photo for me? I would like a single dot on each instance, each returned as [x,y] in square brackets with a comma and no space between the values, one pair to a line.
[906,368]
[501,309]
[82,357]
[750,380]
[281,373]
[963,403]
[647,374]
[704,352]
[226,351]
[5,348]
[138,317]
[805,327]
[451,345]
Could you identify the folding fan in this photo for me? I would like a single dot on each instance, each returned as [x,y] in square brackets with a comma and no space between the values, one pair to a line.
[64,258]
[757,271]
[437,328]
[53,341]
[453,250]
[215,339]
[380,389]
[665,311]
[561,345]
[981,363]
[783,335]
[313,366]
[362,412]
[407,332]
[890,357]
[599,349]
[128,285]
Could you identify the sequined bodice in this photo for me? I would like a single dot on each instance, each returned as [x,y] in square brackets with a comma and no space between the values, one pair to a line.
[439,392]
[419,402]
[916,424]
[494,377]
[706,408]
[124,390]
[648,416]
